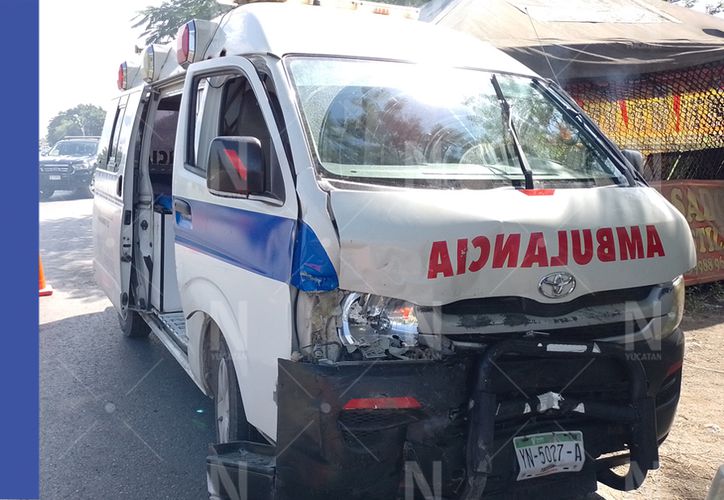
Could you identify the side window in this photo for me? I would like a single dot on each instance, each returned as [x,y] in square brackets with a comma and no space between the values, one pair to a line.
[227,106]
[123,141]
[198,136]
[113,160]
[200,94]
[240,115]
[108,137]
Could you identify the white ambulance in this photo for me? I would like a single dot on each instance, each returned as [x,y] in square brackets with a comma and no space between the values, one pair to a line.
[401,263]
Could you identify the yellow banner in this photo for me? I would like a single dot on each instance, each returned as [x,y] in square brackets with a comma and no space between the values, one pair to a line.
[690,121]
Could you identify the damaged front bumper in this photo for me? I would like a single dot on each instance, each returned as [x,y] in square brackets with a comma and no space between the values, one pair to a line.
[446,427]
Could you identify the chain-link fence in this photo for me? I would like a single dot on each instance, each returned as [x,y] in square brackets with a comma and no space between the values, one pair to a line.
[676,118]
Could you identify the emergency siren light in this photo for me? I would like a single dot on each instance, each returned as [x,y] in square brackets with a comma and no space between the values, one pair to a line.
[383,9]
[126,72]
[387,9]
[192,39]
[154,58]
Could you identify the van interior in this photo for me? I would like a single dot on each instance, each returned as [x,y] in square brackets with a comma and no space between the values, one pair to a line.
[164,296]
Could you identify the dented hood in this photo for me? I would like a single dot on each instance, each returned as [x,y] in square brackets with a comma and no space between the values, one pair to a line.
[433,247]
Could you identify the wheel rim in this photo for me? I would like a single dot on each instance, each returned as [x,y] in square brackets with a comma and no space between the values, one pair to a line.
[222,402]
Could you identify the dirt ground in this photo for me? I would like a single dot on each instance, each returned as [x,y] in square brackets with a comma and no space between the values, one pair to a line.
[694,449]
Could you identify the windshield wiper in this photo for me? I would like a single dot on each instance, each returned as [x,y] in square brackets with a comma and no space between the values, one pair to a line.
[508,122]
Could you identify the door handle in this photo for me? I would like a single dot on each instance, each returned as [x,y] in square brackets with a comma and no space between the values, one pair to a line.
[182,213]
[182,208]
[119,186]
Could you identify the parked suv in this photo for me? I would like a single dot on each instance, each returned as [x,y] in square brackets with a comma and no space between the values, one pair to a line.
[68,166]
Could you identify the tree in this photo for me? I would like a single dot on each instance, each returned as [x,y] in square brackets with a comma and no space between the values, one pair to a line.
[161,23]
[715,8]
[84,119]
[684,3]
[711,8]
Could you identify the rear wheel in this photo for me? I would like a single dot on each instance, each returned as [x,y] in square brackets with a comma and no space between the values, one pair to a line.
[231,423]
[133,325]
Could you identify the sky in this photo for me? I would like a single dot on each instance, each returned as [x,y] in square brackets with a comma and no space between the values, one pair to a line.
[81,45]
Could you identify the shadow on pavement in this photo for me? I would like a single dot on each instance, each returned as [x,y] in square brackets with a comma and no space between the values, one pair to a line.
[67,251]
[67,196]
[119,418]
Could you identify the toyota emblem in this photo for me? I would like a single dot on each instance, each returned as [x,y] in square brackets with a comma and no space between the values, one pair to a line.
[557,285]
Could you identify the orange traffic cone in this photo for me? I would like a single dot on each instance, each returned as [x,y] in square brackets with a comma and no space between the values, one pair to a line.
[45,289]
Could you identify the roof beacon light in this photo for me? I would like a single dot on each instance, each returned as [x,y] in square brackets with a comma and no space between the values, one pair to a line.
[384,9]
[402,11]
[154,59]
[192,40]
[126,75]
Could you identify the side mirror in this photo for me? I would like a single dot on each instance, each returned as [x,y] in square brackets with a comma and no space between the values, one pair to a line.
[236,166]
[635,158]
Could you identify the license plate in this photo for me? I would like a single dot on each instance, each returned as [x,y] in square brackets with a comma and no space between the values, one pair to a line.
[549,453]
[54,177]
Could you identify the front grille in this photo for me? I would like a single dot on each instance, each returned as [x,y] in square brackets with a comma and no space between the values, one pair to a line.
[575,333]
[521,305]
[56,169]
[593,332]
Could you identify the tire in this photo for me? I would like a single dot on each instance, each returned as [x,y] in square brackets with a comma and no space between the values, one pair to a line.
[133,325]
[230,418]
[84,192]
[46,193]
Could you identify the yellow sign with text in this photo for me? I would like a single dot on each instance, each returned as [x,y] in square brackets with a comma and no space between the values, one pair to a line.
[702,203]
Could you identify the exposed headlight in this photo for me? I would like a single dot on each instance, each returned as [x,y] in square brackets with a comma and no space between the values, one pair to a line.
[380,325]
[675,315]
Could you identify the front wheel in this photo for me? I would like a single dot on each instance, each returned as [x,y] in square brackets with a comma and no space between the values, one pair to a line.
[231,423]
[46,193]
[84,192]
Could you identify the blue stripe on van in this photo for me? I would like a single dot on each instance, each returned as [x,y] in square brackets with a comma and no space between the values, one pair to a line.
[260,243]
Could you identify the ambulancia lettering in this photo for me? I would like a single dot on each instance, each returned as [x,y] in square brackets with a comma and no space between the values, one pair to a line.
[577,246]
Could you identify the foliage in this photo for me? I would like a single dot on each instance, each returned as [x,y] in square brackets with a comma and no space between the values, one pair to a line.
[161,23]
[83,119]
[711,8]
[683,3]
[715,8]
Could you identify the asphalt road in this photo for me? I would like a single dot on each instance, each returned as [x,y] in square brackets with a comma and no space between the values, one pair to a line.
[118,417]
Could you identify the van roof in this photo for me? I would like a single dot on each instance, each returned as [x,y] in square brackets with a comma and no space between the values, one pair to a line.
[281,29]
